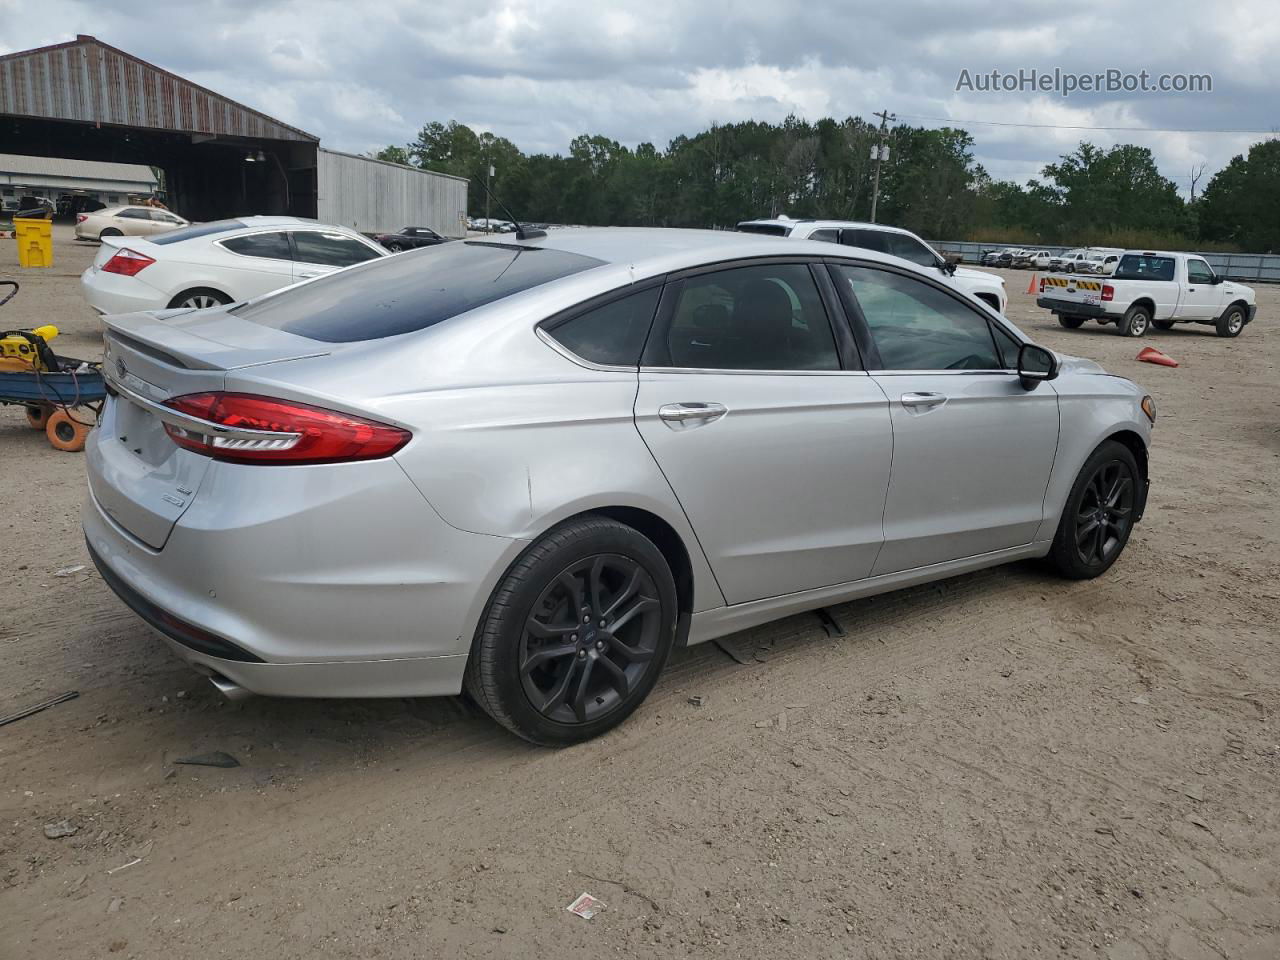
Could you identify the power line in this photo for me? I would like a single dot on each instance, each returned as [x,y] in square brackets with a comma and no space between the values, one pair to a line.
[1069,126]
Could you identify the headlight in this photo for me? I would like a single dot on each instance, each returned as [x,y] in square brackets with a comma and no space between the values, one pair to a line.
[1149,408]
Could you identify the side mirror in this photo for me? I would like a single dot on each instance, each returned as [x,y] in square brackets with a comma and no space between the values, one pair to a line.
[1035,363]
[1217,279]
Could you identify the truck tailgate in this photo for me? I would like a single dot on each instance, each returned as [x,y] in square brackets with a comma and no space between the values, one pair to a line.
[1072,289]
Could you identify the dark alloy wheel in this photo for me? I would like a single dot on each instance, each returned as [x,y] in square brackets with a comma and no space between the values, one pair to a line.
[1099,513]
[576,633]
[590,639]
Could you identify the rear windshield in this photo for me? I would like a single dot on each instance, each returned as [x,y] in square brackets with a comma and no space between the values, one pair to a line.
[769,229]
[1137,266]
[199,230]
[415,290]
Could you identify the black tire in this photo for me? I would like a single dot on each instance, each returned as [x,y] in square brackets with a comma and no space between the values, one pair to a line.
[1135,322]
[394,247]
[1162,324]
[1071,323]
[200,298]
[1230,323]
[110,232]
[502,676]
[1098,516]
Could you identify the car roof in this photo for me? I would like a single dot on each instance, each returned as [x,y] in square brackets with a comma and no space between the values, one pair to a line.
[653,250]
[823,224]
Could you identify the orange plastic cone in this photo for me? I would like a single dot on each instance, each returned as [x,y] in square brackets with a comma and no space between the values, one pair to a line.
[1152,355]
[1033,286]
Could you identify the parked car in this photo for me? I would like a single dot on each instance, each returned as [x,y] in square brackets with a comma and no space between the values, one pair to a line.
[505,466]
[216,263]
[1151,288]
[1039,260]
[1099,264]
[410,238]
[126,222]
[987,287]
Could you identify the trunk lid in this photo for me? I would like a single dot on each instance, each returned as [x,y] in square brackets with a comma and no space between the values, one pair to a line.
[137,474]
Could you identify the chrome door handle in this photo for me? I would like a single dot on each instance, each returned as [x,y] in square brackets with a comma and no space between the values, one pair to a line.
[685,412]
[923,399]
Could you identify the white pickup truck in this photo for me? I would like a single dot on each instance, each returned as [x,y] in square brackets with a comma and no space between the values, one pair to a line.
[1147,289]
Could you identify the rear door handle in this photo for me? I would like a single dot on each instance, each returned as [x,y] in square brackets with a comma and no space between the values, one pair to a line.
[923,401]
[694,413]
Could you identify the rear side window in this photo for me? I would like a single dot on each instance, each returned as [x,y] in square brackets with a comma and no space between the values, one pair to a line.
[1137,266]
[396,295]
[269,246]
[134,213]
[768,229]
[200,230]
[612,334]
[330,249]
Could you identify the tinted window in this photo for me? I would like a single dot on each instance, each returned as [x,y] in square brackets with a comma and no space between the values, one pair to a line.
[876,240]
[769,229]
[612,334]
[909,248]
[397,295]
[749,318]
[1137,266]
[134,213]
[828,236]
[201,230]
[916,326]
[1198,272]
[330,249]
[1008,346]
[271,246]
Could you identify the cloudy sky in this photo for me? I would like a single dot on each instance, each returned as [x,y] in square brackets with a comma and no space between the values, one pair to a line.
[362,75]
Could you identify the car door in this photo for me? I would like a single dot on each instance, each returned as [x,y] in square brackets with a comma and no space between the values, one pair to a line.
[775,442]
[1201,295]
[972,449]
[317,252]
[255,263]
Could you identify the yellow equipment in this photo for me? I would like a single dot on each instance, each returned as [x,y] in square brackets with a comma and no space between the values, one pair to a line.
[22,351]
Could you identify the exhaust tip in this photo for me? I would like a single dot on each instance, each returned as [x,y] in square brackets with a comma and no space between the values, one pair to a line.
[229,688]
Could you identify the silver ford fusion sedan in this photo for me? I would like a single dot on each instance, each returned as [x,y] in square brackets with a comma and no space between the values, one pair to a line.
[531,466]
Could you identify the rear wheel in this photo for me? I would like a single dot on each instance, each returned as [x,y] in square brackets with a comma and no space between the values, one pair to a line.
[1230,323]
[199,298]
[576,633]
[395,247]
[1071,323]
[1098,517]
[110,232]
[65,432]
[38,416]
[1135,321]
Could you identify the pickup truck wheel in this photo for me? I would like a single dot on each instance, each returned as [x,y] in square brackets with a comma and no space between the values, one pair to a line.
[1162,324]
[1230,323]
[1098,516]
[1071,323]
[1135,321]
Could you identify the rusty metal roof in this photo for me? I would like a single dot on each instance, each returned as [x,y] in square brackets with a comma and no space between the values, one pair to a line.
[89,81]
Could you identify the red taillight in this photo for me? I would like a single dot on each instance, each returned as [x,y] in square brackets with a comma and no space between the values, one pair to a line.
[1042,284]
[293,433]
[81,217]
[128,263]
[1108,292]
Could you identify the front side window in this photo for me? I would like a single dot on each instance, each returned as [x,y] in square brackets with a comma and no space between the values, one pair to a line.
[612,334]
[909,248]
[767,317]
[916,326]
[1198,272]
[330,249]
[267,246]
[133,213]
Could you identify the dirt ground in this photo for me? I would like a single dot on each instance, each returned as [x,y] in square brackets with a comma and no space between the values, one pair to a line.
[1002,765]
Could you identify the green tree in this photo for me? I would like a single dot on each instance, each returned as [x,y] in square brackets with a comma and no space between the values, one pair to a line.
[1241,204]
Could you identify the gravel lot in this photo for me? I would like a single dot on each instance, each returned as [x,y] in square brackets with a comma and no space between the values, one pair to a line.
[1000,765]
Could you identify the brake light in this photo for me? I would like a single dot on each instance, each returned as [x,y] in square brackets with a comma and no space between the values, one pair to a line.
[1042,284]
[288,432]
[81,217]
[1108,292]
[127,263]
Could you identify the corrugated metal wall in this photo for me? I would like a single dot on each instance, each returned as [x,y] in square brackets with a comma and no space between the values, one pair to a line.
[89,81]
[376,197]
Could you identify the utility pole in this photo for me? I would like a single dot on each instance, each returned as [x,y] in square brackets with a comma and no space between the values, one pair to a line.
[488,191]
[881,154]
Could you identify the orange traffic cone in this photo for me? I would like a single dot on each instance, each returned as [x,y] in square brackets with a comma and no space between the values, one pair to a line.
[1033,286]
[1152,355]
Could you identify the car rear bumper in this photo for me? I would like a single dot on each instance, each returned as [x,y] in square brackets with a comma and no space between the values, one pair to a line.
[113,293]
[1072,308]
[302,582]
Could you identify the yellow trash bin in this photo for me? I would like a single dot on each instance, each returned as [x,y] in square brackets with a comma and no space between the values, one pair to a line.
[35,242]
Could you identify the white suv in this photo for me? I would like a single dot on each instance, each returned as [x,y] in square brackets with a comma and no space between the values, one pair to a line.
[987,287]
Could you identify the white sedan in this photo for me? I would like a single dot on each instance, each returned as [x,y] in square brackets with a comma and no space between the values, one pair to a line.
[216,263]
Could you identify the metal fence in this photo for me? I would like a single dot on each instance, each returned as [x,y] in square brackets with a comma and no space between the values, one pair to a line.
[1246,267]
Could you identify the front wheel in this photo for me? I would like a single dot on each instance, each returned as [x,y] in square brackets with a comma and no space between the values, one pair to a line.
[1099,513]
[1135,321]
[1071,323]
[576,633]
[1230,323]
[395,247]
